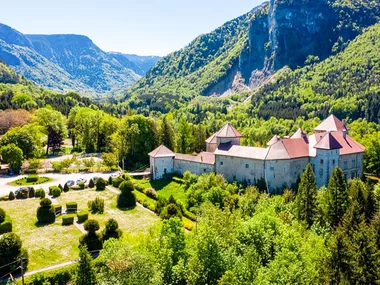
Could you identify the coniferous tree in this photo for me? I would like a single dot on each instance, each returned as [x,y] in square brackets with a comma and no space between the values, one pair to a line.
[359,192]
[85,274]
[167,134]
[337,197]
[306,203]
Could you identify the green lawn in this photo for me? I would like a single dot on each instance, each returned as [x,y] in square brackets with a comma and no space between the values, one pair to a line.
[22,181]
[51,244]
[46,245]
[164,188]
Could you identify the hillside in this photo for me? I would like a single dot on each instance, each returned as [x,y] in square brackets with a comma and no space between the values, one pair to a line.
[242,53]
[67,62]
[138,63]
[346,85]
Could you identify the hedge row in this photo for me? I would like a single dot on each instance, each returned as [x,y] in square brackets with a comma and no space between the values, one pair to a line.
[67,220]
[82,216]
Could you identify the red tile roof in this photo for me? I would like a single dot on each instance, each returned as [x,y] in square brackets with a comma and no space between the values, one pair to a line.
[349,145]
[296,148]
[331,124]
[161,151]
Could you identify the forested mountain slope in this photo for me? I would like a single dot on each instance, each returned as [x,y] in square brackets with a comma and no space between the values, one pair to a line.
[347,85]
[245,51]
[68,62]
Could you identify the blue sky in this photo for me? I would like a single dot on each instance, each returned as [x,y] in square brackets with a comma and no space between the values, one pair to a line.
[145,27]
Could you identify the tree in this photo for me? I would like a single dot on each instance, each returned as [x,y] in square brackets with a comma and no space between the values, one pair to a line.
[372,152]
[337,197]
[306,203]
[100,184]
[23,139]
[109,159]
[2,215]
[167,133]
[91,183]
[92,239]
[13,155]
[85,272]
[184,137]
[112,230]
[54,124]
[10,250]
[13,118]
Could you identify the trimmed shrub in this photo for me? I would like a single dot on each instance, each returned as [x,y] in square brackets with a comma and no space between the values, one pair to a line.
[126,176]
[110,180]
[92,239]
[96,206]
[11,196]
[66,188]
[2,215]
[91,183]
[151,192]
[82,216]
[127,186]
[126,200]
[46,211]
[71,206]
[117,181]
[112,230]
[6,225]
[67,220]
[81,185]
[171,211]
[32,178]
[22,193]
[60,187]
[43,194]
[57,209]
[76,187]
[56,191]
[139,188]
[38,192]
[100,184]
[31,192]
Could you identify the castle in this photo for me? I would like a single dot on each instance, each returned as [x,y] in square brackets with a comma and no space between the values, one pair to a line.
[281,163]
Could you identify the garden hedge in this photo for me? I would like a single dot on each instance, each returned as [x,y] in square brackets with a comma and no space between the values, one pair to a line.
[57,209]
[11,196]
[22,194]
[81,185]
[55,191]
[71,206]
[32,178]
[117,181]
[67,220]
[40,193]
[100,184]
[46,211]
[82,216]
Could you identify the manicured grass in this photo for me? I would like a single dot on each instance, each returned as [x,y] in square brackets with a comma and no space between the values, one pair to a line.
[22,181]
[51,244]
[164,188]
[47,245]
[132,221]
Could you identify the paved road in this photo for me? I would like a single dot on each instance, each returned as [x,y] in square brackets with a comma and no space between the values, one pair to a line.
[57,179]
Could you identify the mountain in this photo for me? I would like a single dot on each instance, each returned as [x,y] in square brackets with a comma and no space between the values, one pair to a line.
[67,62]
[243,53]
[345,84]
[138,63]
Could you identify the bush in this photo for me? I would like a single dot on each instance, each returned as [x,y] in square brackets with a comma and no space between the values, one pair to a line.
[46,212]
[32,178]
[81,185]
[30,171]
[60,187]
[171,211]
[72,206]
[151,192]
[59,276]
[34,164]
[57,209]
[10,250]
[55,191]
[22,193]
[67,220]
[126,176]
[126,186]
[140,188]
[11,196]
[100,184]
[110,180]
[82,216]
[38,192]
[96,206]
[126,200]
[117,181]
[112,230]
[76,187]
[2,215]
[6,225]
[66,188]
[43,194]
[91,226]
[91,183]
[93,242]
[31,192]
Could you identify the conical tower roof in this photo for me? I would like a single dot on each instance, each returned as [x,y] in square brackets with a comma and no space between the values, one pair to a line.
[328,142]
[228,131]
[332,124]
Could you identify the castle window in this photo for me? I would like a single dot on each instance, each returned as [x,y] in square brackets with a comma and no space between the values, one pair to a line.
[321,172]
[313,168]
[321,161]
[272,168]
[204,170]
[353,164]
[249,181]
[345,176]
[333,162]
[221,163]
[246,165]
[345,164]
[353,174]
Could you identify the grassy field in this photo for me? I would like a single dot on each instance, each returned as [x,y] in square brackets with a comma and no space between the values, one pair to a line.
[51,244]
[164,188]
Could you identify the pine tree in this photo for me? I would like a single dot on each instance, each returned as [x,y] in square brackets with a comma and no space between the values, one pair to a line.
[337,197]
[85,272]
[306,205]
[167,134]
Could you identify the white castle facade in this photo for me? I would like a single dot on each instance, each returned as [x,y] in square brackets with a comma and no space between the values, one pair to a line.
[280,164]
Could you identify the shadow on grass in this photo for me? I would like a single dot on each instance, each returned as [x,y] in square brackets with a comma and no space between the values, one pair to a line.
[125,208]
[41,225]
